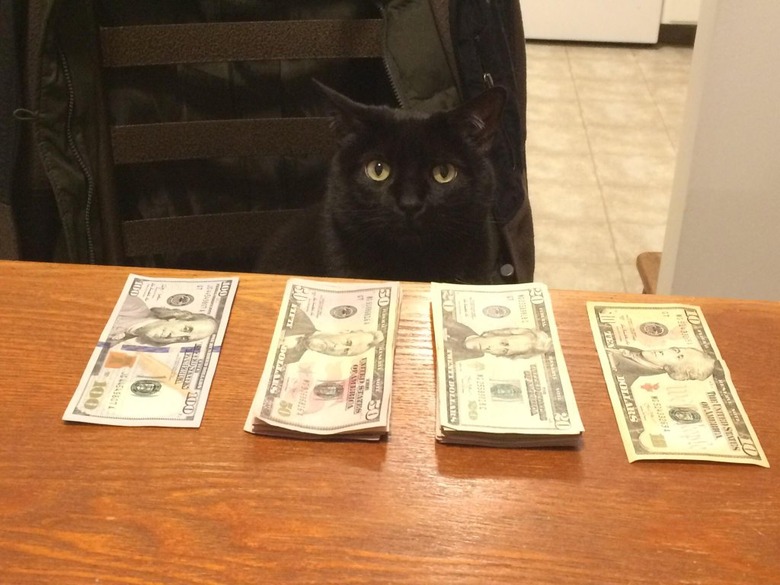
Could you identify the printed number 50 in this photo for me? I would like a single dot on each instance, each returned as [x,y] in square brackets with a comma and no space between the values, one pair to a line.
[285,408]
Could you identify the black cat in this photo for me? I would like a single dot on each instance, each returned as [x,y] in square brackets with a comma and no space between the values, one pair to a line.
[409,197]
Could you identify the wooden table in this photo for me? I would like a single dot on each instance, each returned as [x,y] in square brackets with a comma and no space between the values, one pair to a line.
[215,505]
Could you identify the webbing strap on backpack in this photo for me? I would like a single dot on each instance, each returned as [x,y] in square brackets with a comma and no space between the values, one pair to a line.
[173,44]
[169,44]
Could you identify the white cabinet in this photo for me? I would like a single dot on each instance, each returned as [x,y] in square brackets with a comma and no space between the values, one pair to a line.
[681,11]
[619,21]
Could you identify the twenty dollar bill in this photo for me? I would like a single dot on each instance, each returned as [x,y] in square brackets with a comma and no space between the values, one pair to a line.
[500,374]
[156,356]
[671,391]
[329,368]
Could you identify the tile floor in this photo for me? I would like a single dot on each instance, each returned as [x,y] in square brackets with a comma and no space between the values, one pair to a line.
[603,126]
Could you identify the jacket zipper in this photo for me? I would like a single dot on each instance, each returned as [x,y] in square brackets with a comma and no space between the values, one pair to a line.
[393,85]
[77,154]
[388,73]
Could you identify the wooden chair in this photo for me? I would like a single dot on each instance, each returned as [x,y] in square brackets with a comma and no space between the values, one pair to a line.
[648,265]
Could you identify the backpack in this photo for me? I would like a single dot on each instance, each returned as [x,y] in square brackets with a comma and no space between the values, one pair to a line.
[418,54]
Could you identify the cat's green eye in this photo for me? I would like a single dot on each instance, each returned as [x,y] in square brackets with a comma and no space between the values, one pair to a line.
[377,170]
[444,173]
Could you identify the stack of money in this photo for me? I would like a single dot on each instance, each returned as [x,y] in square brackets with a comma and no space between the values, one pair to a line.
[671,391]
[329,369]
[156,357]
[500,375]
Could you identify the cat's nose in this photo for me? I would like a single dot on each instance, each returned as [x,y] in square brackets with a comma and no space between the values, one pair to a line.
[409,203]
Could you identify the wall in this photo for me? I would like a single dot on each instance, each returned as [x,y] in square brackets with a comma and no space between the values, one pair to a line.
[723,232]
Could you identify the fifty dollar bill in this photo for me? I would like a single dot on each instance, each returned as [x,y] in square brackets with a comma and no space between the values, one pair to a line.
[329,368]
[156,357]
[500,373]
[671,391]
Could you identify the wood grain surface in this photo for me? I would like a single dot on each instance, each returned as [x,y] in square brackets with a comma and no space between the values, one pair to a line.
[215,505]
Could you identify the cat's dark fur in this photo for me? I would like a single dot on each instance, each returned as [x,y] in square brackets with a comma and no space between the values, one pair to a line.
[406,225]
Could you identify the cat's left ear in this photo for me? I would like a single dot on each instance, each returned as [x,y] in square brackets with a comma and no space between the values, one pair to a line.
[348,115]
[480,117]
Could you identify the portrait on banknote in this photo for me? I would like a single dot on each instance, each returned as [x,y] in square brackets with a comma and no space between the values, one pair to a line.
[329,367]
[501,375]
[158,325]
[508,342]
[303,336]
[679,363]
[155,359]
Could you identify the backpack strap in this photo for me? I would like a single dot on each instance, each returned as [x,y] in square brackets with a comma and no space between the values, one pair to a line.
[138,143]
[194,43]
[146,237]
[170,44]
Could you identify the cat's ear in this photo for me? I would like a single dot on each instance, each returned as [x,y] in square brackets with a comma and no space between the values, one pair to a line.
[348,116]
[480,117]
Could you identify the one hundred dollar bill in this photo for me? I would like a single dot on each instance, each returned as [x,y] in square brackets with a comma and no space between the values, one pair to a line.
[329,368]
[500,373]
[671,391]
[156,357]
